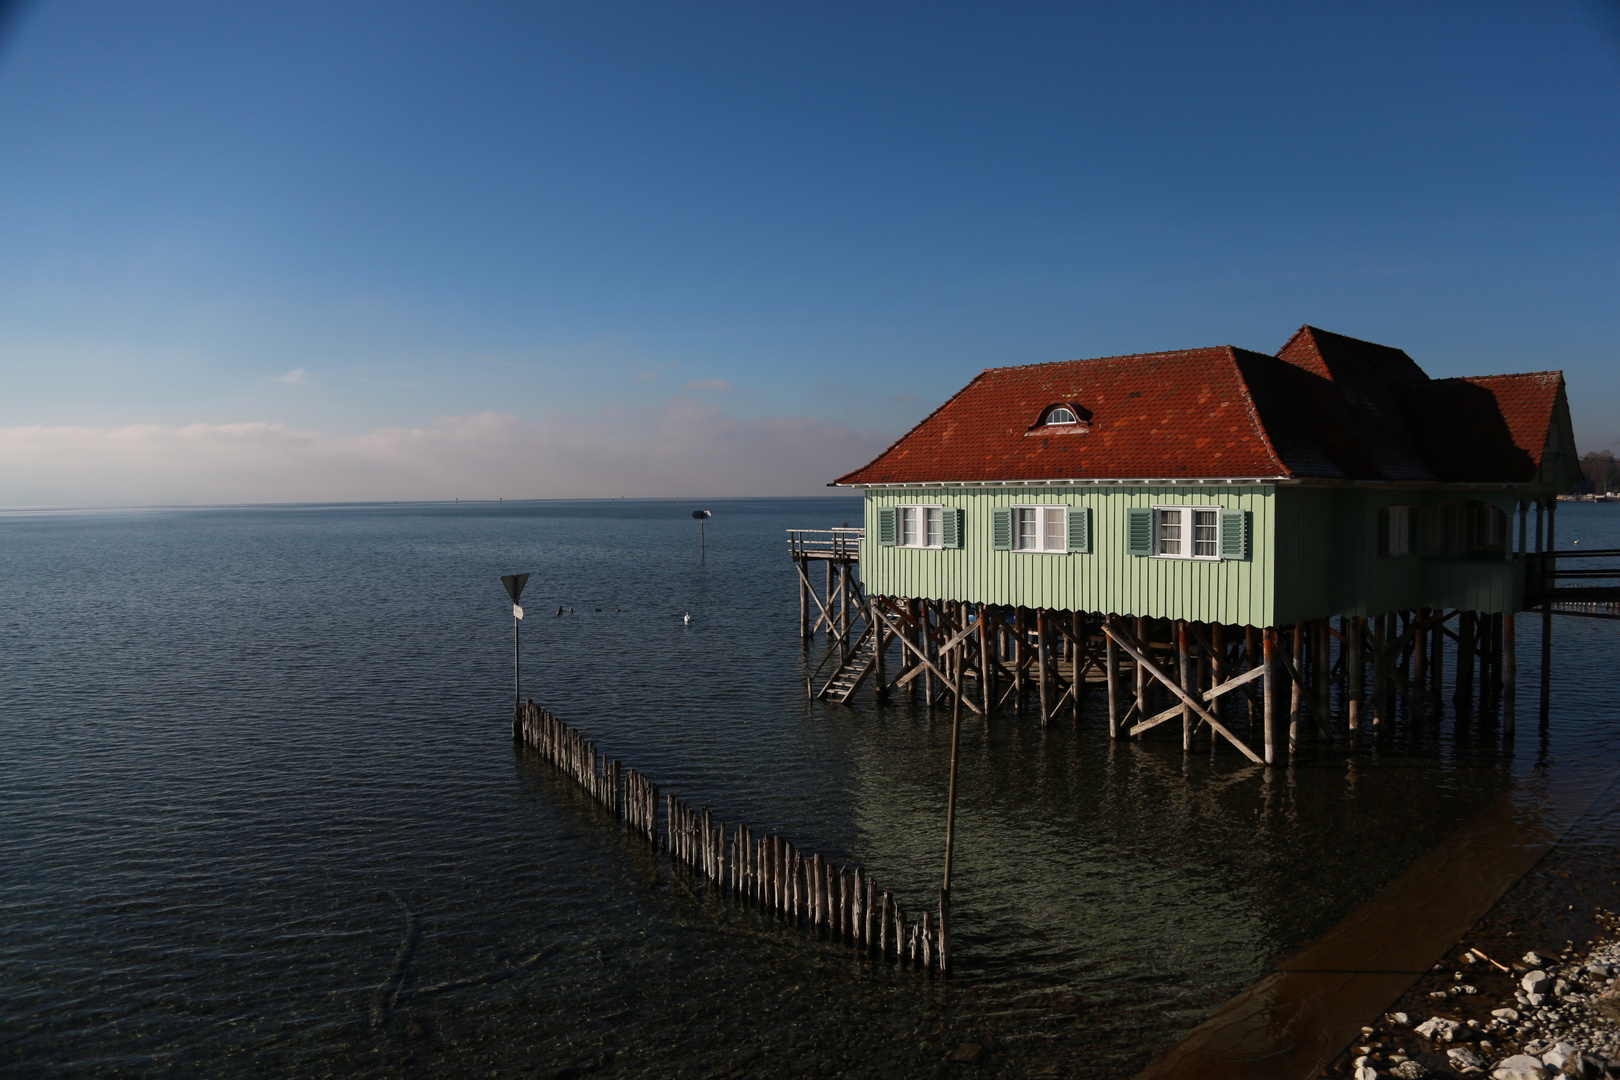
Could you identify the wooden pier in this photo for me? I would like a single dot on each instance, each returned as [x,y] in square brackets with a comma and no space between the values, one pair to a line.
[1262,691]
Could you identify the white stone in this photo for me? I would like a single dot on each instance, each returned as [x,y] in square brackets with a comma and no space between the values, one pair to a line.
[1535,982]
[1533,959]
[1464,1058]
[1519,1067]
[1505,1014]
[1398,1018]
[1555,1058]
[1439,1029]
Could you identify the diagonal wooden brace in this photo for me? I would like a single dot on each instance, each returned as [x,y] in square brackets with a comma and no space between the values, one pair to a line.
[1175,688]
[922,659]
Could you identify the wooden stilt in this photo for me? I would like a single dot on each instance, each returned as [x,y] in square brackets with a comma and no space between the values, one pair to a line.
[1112,675]
[1465,657]
[1140,671]
[1269,723]
[1510,676]
[1041,660]
[1355,628]
[986,666]
[1252,659]
[1296,697]
[1187,683]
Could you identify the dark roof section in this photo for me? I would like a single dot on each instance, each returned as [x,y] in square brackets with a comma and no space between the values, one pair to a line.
[1485,429]
[1348,387]
[1326,407]
[1170,415]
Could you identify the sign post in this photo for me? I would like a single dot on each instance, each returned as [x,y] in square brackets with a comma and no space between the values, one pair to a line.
[514,588]
[703,539]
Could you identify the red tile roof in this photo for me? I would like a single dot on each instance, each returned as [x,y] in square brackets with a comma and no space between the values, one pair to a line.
[1485,429]
[1154,415]
[1327,406]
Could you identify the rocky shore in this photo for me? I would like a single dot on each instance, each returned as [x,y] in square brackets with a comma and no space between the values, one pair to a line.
[1535,1016]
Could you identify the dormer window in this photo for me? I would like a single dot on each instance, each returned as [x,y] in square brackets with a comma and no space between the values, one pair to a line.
[1064,418]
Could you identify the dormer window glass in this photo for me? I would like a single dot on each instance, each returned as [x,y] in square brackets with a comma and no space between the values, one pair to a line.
[1059,414]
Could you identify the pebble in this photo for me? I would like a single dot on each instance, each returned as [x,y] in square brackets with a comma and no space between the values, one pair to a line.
[1464,1058]
[1519,1067]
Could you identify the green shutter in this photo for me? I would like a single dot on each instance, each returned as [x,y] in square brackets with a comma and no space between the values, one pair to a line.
[1139,530]
[886,526]
[1234,534]
[1001,529]
[1080,529]
[950,527]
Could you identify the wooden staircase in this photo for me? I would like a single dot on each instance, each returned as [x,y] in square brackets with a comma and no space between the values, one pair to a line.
[852,672]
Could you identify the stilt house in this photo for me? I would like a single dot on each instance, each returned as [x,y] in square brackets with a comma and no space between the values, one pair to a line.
[1189,506]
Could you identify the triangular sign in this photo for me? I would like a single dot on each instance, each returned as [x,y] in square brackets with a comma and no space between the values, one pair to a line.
[514,585]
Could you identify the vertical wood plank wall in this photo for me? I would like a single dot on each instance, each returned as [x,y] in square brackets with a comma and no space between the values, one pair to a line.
[1313,552]
[1107,580]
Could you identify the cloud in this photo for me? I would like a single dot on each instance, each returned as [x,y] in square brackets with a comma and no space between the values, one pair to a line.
[684,447]
[294,377]
[707,384]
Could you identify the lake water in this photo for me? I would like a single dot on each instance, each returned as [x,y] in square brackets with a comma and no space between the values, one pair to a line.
[238,745]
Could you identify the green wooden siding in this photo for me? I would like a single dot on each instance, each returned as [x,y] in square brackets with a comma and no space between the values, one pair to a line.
[1108,579]
[1313,552]
[1329,560]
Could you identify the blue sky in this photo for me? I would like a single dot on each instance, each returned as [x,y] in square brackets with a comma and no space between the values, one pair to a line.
[285,251]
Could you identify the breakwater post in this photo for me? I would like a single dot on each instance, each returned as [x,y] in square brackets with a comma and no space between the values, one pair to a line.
[769,873]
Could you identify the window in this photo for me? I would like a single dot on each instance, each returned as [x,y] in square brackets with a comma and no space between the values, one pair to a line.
[1059,415]
[1040,528]
[920,526]
[1187,532]
[1398,535]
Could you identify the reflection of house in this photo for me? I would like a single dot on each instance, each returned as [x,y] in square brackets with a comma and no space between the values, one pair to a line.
[1226,489]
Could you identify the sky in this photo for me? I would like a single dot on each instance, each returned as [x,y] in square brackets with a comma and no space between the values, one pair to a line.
[378,251]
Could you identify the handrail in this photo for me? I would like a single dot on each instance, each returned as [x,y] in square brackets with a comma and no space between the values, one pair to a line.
[840,543]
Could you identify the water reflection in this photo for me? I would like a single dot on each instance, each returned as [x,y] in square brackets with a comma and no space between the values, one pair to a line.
[240,733]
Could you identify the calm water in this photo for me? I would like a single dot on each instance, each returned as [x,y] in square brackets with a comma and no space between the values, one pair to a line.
[237,745]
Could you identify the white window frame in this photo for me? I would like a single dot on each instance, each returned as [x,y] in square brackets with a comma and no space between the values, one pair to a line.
[921,516]
[1050,418]
[1049,539]
[1398,541]
[1187,540]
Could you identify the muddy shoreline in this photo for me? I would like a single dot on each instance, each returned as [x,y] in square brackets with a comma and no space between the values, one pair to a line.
[1560,913]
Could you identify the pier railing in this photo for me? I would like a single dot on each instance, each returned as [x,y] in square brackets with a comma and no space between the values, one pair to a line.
[1550,578]
[841,545]
[1575,590]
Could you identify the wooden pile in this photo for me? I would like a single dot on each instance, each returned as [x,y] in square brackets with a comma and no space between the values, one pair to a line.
[840,903]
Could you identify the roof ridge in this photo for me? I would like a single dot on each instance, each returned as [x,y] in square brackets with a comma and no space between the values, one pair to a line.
[1101,359]
[1347,337]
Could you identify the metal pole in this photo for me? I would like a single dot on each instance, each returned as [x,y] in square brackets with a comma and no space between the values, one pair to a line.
[950,799]
[517,664]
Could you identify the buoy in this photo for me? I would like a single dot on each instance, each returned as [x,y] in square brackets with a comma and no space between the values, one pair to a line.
[688,619]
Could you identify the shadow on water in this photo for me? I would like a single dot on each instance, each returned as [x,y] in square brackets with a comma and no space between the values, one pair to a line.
[297,714]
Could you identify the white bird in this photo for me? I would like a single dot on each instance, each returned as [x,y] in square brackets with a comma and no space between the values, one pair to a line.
[688,619]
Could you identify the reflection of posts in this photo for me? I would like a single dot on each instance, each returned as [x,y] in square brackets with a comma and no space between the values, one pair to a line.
[514,588]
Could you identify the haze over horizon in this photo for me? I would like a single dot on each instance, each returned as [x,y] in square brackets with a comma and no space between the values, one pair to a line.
[309,252]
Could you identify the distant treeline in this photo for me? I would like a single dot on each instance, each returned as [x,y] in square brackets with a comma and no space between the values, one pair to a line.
[1601,472]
